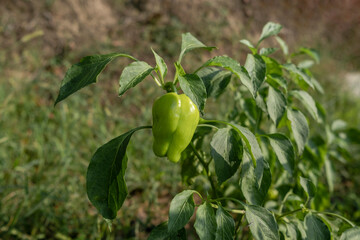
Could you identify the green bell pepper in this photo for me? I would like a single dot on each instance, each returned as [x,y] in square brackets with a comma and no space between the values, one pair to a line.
[175,118]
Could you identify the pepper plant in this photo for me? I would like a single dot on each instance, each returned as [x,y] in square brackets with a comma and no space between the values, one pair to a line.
[261,167]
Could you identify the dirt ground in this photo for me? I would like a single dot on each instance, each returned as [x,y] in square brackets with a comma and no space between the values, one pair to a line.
[60,27]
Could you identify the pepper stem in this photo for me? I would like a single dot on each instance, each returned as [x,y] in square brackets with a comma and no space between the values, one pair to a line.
[170,87]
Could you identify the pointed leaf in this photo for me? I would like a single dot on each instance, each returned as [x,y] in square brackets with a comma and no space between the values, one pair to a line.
[215,80]
[260,102]
[226,149]
[205,223]
[231,65]
[330,174]
[249,183]
[292,231]
[181,209]
[270,29]
[283,45]
[295,70]
[284,150]
[249,45]
[133,74]
[315,228]
[254,149]
[160,63]
[262,223]
[276,105]
[84,73]
[317,85]
[306,64]
[311,53]
[105,183]
[189,43]
[160,232]
[256,68]
[279,80]
[299,127]
[308,187]
[351,234]
[272,66]
[225,225]
[267,51]
[194,88]
[307,101]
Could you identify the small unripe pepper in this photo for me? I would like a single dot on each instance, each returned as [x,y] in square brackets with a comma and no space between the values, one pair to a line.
[175,118]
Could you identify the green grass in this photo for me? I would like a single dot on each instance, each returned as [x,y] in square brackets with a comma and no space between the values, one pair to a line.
[45,151]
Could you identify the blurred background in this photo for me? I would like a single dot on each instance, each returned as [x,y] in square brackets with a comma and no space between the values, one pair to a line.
[45,151]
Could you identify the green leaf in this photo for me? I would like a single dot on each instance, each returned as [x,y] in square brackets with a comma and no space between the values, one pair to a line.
[270,29]
[205,223]
[262,222]
[272,66]
[160,232]
[225,225]
[160,64]
[330,174]
[84,73]
[181,209]
[226,149]
[105,183]
[338,125]
[307,101]
[267,51]
[179,69]
[311,53]
[256,68]
[194,88]
[231,65]
[249,45]
[284,150]
[249,183]
[315,228]
[189,163]
[276,105]
[189,43]
[215,80]
[259,100]
[351,234]
[283,45]
[278,80]
[295,70]
[317,85]
[306,64]
[299,127]
[353,135]
[292,231]
[254,150]
[308,187]
[133,74]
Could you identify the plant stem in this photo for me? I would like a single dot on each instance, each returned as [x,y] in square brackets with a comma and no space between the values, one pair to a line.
[161,78]
[156,80]
[206,167]
[207,125]
[238,225]
[289,213]
[230,199]
[229,209]
[284,200]
[169,87]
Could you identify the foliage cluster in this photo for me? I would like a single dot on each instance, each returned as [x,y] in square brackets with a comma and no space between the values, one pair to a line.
[267,164]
